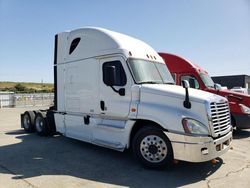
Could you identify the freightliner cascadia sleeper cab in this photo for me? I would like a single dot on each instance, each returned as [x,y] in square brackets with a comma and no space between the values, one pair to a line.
[115,91]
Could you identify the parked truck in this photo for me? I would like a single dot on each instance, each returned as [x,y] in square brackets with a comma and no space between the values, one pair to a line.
[115,91]
[182,69]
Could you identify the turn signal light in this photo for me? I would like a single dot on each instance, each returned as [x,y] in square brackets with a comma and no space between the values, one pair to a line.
[133,110]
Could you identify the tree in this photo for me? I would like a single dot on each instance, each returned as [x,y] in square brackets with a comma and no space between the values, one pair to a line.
[20,88]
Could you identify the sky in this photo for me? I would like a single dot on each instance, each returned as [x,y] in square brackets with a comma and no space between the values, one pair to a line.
[214,34]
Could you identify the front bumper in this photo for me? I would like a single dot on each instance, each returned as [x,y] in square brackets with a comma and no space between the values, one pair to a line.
[242,120]
[197,148]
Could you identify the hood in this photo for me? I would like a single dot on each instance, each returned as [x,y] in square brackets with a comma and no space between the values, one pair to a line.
[236,97]
[179,92]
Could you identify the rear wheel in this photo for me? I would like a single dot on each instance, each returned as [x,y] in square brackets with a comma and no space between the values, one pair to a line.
[28,121]
[152,147]
[41,124]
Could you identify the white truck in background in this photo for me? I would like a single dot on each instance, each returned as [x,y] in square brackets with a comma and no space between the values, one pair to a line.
[115,91]
[240,90]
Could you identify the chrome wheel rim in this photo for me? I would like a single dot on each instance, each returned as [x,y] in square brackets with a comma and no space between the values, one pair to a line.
[39,124]
[26,121]
[153,148]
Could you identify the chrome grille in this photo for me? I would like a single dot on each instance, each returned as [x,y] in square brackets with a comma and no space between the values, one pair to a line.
[221,122]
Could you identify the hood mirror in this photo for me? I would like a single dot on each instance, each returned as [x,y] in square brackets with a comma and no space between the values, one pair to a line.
[186,103]
[185,84]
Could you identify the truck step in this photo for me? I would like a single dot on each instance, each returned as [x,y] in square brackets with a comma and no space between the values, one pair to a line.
[112,145]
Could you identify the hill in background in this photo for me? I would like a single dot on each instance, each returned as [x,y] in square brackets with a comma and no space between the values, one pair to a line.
[26,87]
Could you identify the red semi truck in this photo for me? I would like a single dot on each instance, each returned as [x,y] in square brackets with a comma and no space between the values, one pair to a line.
[182,69]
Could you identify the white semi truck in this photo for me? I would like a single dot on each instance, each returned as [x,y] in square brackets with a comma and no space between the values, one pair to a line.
[115,91]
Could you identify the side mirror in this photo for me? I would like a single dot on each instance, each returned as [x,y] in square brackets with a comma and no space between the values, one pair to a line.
[185,84]
[109,78]
[217,86]
[109,75]
[121,92]
[186,103]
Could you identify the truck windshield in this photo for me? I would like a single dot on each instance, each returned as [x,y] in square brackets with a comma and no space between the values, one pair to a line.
[207,80]
[145,71]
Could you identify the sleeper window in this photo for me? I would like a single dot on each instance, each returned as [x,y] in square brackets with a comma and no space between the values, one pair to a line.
[74,44]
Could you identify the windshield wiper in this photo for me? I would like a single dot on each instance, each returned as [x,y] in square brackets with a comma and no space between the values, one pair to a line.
[149,82]
[210,86]
[171,83]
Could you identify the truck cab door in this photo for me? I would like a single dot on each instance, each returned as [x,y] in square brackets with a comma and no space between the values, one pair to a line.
[112,104]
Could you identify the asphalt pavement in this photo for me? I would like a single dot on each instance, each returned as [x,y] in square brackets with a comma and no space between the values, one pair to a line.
[28,160]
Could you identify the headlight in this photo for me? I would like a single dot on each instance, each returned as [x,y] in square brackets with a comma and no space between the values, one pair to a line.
[192,126]
[245,109]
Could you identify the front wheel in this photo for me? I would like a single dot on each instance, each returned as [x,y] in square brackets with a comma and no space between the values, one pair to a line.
[152,147]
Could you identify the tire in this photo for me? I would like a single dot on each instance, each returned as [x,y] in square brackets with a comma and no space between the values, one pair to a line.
[41,124]
[233,122]
[28,121]
[152,148]
[51,122]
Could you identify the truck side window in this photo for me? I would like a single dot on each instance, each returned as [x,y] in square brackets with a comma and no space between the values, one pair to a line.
[121,78]
[174,77]
[74,44]
[192,81]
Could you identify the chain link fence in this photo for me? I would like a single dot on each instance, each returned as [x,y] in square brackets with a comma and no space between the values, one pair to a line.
[11,99]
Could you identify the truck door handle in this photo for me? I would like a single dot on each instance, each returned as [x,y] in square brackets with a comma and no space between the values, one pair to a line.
[102,105]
